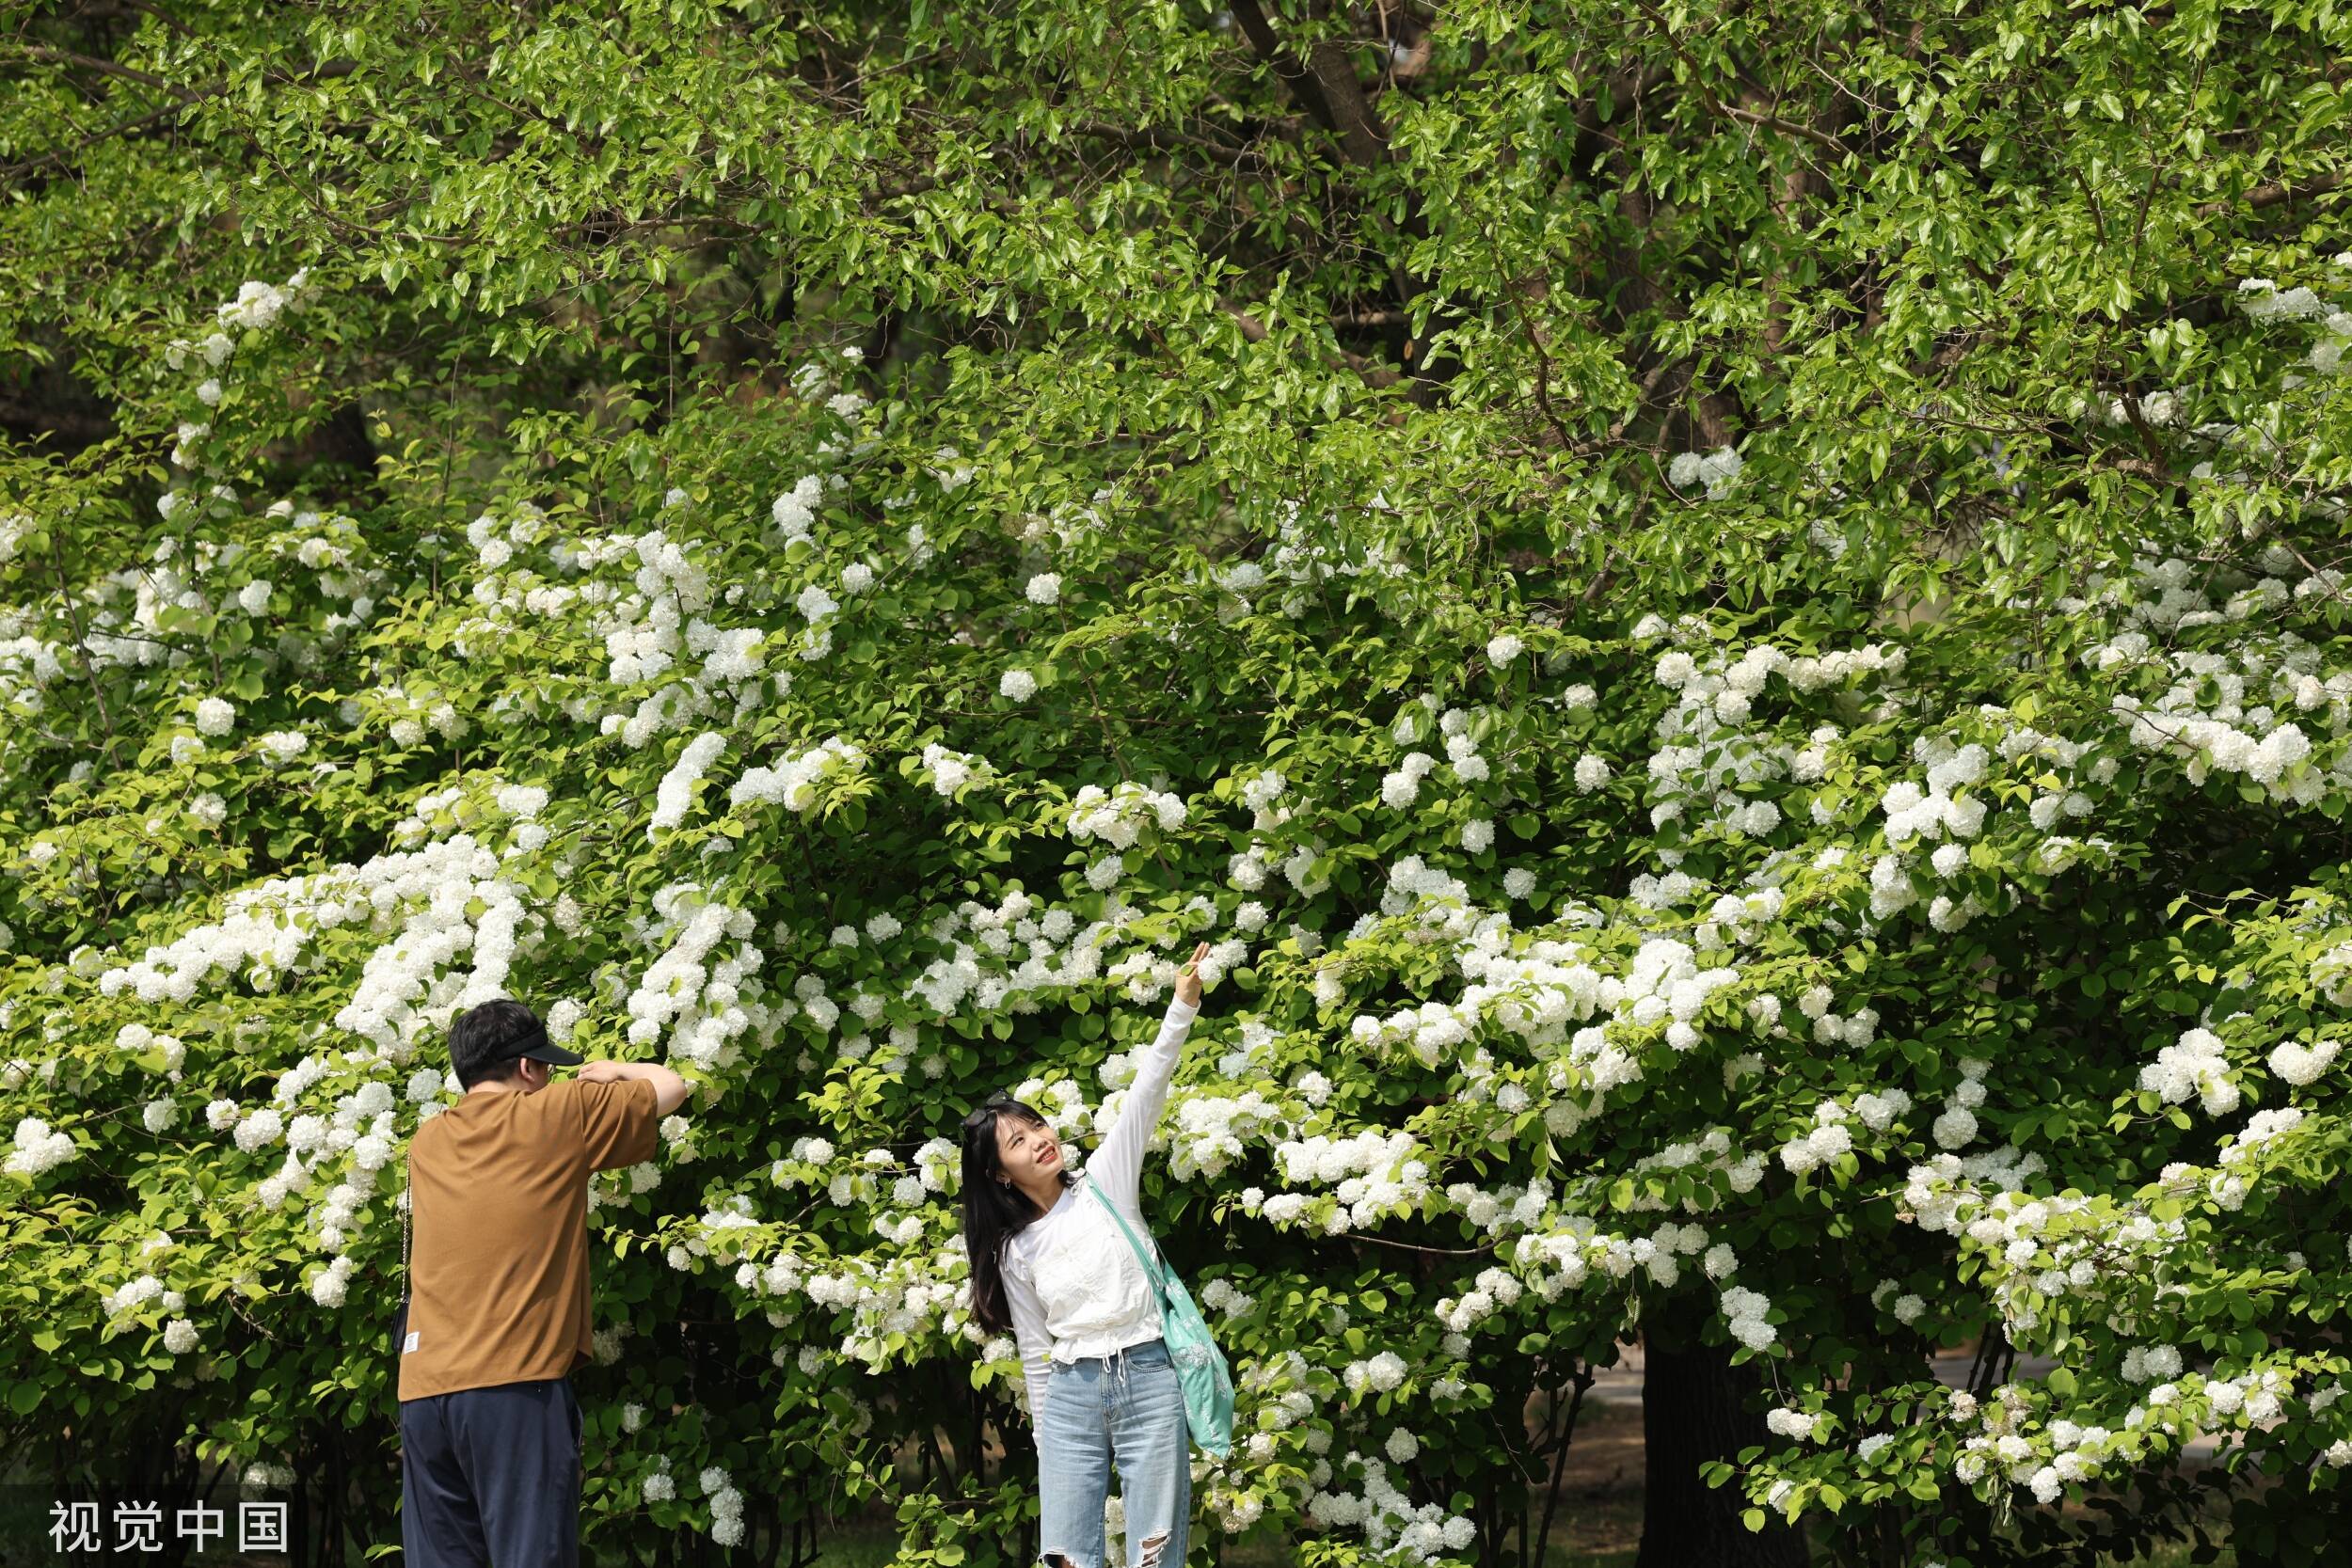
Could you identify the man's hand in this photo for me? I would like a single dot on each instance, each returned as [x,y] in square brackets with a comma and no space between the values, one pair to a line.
[600,1072]
[1188,979]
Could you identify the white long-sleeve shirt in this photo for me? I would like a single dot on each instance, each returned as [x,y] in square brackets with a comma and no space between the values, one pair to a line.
[1070,1279]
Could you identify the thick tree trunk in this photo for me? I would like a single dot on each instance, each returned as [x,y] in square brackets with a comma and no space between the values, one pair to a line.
[1692,1412]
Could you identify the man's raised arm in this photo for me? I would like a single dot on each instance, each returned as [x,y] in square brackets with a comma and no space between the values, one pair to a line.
[669,1089]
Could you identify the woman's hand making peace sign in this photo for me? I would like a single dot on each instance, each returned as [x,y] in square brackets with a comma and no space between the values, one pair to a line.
[1188,977]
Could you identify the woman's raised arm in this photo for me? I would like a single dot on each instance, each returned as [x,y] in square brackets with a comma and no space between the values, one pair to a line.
[1117,1166]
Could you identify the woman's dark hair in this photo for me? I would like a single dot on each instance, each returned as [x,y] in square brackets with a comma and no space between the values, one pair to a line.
[994,1210]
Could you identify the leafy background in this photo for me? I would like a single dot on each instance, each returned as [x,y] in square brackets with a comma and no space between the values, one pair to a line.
[1979,366]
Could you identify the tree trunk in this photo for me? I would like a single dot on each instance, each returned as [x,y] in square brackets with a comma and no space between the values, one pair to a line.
[1692,1412]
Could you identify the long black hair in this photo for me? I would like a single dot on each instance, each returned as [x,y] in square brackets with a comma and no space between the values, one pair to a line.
[994,1210]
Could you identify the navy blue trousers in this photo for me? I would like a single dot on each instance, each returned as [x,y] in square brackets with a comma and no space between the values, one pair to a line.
[490,1478]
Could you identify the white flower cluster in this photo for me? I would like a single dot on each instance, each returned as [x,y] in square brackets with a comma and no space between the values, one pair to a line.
[1745,1311]
[2331,975]
[256,309]
[918,1293]
[699,1004]
[794,778]
[1710,753]
[39,1148]
[145,1288]
[2040,1249]
[267,928]
[1401,787]
[726,1507]
[328,1285]
[1714,1151]
[1211,1131]
[257,305]
[1376,1175]
[1930,813]
[951,770]
[2277,761]
[1220,1296]
[522,802]
[2198,1064]
[408,984]
[2301,1065]
[1828,1139]
[1119,817]
[795,511]
[1018,926]
[2233,712]
[676,791]
[1714,471]
[1574,1250]
[1310,551]
[1391,1524]
[1022,942]
[2262,299]
[1461,747]
[1956,1126]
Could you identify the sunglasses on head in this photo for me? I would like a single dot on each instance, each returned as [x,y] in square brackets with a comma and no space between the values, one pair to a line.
[990,1103]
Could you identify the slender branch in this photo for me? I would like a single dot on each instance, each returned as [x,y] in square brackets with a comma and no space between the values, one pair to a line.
[108,68]
[1716,106]
[2272,194]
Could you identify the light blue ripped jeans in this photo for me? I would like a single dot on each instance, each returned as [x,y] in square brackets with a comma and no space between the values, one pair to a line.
[1126,1407]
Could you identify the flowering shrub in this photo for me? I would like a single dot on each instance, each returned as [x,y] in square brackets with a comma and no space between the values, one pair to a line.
[1776,821]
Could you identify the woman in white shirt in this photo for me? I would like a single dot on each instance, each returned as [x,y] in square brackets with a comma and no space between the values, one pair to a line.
[1050,1263]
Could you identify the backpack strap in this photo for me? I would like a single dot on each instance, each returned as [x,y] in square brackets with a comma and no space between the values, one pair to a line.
[1150,1270]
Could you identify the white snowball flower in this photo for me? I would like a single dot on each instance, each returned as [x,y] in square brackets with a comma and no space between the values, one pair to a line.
[1045,588]
[37,1149]
[214,716]
[1019,684]
[2300,1064]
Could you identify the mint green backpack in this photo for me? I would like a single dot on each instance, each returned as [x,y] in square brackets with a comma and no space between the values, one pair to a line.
[1199,1365]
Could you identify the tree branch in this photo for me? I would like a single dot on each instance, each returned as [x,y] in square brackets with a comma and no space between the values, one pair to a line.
[2273,195]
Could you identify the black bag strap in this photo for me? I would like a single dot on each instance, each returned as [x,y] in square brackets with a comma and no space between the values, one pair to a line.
[407,1187]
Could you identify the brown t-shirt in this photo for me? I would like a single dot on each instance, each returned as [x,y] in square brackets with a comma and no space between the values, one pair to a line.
[497,1270]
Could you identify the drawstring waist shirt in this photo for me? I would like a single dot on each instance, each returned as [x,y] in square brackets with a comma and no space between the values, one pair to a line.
[1071,1282]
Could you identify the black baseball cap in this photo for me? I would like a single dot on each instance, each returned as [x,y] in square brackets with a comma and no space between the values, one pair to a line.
[536,1046]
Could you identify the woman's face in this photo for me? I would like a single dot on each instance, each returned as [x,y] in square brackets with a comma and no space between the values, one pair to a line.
[1028,1153]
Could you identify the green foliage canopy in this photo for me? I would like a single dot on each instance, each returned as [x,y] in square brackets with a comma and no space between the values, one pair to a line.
[1731,616]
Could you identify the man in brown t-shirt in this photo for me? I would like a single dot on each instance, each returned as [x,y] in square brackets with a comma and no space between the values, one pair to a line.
[498,1285]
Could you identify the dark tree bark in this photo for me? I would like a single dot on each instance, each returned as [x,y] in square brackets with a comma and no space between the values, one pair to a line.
[1693,1410]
